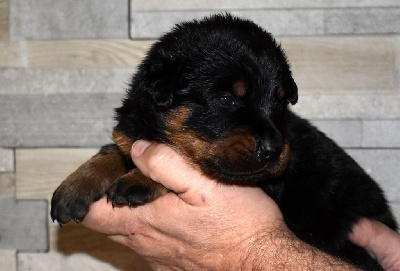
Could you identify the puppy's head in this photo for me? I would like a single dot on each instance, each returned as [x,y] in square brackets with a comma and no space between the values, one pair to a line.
[217,90]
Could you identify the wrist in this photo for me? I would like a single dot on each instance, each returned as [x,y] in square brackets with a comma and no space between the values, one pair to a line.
[282,250]
[267,250]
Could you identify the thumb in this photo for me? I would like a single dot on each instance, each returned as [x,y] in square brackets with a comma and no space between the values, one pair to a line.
[379,239]
[103,217]
[164,165]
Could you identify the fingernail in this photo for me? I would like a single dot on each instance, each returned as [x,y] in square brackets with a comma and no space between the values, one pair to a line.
[139,147]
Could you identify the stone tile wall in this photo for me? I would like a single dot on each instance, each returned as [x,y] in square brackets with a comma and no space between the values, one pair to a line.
[64,66]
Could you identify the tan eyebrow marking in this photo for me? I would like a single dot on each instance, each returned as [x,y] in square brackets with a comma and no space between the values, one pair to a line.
[239,88]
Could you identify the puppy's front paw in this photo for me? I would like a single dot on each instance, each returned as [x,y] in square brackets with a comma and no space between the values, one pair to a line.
[134,189]
[72,198]
[87,184]
[123,192]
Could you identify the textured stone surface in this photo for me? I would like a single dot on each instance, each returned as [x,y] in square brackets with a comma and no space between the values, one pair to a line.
[7,185]
[362,133]
[278,22]
[320,64]
[255,4]
[343,64]
[281,22]
[383,166]
[8,260]
[11,54]
[6,159]
[23,225]
[4,20]
[143,26]
[381,133]
[286,22]
[344,133]
[40,171]
[68,19]
[51,81]
[96,53]
[396,210]
[57,120]
[76,261]
[86,119]
[337,106]
[362,21]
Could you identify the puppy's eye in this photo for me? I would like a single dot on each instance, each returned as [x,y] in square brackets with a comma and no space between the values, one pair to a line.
[227,100]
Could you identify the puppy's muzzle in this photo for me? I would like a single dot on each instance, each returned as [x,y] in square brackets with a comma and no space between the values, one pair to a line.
[269,146]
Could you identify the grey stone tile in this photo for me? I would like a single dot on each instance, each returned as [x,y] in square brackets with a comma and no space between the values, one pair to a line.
[57,119]
[286,22]
[350,106]
[68,19]
[277,21]
[362,21]
[255,4]
[6,159]
[383,166]
[23,225]
[7,185]
[51,81]
[346,133]
[381,133]
[143,26]
[362,133]
[280,22]
[396,210]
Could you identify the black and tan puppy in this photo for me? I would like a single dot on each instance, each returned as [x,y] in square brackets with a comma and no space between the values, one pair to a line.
[217,91]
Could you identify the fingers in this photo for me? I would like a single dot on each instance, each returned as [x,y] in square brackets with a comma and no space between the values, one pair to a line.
[362,232]
[162,164]
[378,239]
[104,218]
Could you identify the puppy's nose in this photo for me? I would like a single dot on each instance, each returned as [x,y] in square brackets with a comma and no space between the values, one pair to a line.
[268,151]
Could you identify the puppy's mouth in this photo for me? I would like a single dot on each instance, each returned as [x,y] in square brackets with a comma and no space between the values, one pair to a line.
[252,171]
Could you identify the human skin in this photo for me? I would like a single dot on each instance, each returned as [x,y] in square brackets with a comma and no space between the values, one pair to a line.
[380,240]
[204,225]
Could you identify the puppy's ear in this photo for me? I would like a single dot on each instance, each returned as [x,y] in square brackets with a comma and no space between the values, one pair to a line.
[290,89]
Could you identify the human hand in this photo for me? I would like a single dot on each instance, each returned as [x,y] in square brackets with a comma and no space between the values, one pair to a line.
[203,225]
[202,219]
[380,240]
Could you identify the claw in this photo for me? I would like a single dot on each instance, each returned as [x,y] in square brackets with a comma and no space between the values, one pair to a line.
[60,224]
[54,220]
[76,220]
[113,203]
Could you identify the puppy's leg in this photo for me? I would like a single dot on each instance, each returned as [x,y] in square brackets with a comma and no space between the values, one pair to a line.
[134,189]
[87,184]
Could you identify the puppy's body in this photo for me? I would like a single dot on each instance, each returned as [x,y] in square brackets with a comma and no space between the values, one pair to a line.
[324,192]
[217,91]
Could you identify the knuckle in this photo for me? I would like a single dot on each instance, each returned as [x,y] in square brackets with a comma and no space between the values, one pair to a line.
[158,160]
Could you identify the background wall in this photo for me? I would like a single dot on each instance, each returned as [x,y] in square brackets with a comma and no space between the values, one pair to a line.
[64,65]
